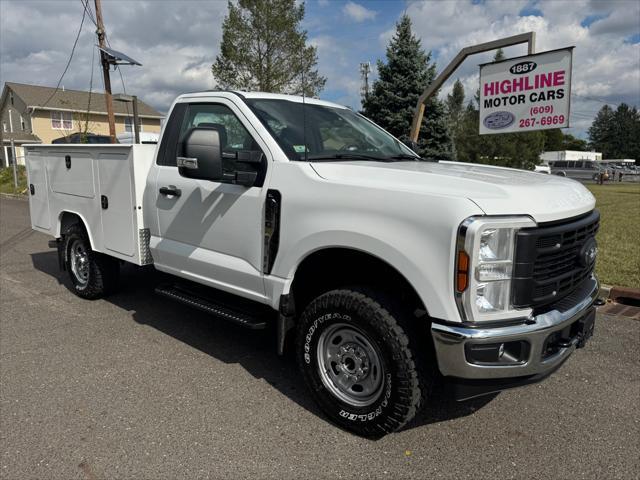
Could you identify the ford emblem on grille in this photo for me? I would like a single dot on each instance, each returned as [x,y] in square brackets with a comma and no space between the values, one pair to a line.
[498,120]
[588,253]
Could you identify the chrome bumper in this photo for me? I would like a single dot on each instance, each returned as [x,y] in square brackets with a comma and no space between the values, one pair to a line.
[451,341]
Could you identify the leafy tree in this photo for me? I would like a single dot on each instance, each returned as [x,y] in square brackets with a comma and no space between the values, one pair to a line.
[569,142]
[516,150]
[393,97]
[553,140]
[263,48]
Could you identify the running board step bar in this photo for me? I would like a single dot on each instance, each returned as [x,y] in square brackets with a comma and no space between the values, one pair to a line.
[211,306]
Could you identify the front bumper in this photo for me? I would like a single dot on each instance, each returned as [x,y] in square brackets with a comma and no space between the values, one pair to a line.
[537,347]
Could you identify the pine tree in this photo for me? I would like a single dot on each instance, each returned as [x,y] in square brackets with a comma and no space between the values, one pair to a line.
[263,48]
[393,97]
[601,132]
[454,106]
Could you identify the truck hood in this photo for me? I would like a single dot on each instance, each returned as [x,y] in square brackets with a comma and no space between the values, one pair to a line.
[496,190]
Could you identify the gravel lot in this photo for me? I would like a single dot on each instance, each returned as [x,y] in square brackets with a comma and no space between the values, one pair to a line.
[138,387]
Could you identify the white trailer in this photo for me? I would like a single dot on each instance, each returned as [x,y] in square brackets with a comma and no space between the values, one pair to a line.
[103,185]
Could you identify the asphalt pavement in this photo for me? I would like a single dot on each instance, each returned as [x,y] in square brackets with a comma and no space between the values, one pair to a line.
[135,386]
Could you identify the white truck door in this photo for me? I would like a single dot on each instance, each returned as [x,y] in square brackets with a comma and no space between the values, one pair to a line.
[38,190]
[211,232]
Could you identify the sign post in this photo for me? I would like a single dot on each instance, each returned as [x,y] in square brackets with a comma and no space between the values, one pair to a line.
[526,93]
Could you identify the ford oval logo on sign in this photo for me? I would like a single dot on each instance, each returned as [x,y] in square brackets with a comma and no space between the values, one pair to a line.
[498,120]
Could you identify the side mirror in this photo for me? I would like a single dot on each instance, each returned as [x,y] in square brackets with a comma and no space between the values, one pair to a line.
[202,154]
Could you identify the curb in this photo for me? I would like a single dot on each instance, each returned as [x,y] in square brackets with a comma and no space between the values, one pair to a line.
[15,196]
[613,293]
[625,293]
[604,292]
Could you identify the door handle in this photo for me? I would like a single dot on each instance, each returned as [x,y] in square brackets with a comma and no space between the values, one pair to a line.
[170,191]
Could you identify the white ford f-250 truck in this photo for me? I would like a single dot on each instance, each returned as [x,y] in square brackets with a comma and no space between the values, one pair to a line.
[382,270]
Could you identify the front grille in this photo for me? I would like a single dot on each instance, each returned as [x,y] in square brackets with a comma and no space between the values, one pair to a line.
[550,260]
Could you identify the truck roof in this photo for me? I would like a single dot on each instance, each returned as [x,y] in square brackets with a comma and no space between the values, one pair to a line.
[263,95]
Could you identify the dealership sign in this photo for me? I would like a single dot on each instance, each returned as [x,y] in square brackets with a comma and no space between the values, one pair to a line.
[526,93]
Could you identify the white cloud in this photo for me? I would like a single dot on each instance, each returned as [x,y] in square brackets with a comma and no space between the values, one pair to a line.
[357,12]
[341,70]
[605,67]
[36,39]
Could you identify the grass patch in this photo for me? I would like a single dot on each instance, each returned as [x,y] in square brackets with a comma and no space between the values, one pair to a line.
[6,180]
[618,254]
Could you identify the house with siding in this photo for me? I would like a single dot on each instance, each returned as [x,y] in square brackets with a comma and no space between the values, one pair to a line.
[35,114]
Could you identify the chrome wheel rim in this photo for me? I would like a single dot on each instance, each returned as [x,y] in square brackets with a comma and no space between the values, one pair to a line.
[79,262]
[350,365]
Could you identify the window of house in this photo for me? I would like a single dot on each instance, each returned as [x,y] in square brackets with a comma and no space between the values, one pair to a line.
[4,126]
[128,125]
[61,120]
[23,125]
[11,97]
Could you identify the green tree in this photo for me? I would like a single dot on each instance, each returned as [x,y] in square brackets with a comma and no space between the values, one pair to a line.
[454,106]
[515,150]
[601,132]
[401,80]
[569,142]
[553,140]
[263,48]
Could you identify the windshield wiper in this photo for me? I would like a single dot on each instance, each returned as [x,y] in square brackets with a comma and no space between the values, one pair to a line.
[406,156]
[347,156]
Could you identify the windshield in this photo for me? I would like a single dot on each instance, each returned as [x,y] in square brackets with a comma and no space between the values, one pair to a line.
[326,133]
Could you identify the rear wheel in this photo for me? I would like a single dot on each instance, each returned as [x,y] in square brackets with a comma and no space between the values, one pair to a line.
[93,275]
[357,362]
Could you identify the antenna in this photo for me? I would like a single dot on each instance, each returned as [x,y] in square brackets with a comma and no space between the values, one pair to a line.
[304,112]
[365,69]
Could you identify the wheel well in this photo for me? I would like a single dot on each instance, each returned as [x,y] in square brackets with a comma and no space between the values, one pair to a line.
[333,268]
[67,219]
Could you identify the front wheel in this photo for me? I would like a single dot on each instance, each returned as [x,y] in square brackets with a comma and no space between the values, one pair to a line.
[357,362]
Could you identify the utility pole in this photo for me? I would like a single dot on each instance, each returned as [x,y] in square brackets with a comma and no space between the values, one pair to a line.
[105,72]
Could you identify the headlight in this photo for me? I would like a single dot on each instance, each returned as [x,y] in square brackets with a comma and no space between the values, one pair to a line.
[484,267]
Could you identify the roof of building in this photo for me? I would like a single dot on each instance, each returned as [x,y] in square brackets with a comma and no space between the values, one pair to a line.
[64,99]
[19,137]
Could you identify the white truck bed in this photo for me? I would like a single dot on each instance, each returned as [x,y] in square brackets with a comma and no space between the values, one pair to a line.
[102,184]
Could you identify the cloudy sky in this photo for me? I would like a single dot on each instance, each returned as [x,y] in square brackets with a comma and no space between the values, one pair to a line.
[176,41]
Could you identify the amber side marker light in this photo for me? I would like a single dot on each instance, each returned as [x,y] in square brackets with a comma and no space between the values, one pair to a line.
[462,274]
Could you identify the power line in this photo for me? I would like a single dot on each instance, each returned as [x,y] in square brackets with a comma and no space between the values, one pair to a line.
[73,49]
[87,7]
[594,99]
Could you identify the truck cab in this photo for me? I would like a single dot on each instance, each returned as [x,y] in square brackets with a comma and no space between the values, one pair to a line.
[383,271]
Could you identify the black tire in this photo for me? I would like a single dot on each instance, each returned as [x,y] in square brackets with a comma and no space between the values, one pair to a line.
[100,272]
[398,398]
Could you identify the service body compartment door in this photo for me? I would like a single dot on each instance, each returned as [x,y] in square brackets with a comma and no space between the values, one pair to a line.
[71,172]
[39,194]
[117,202]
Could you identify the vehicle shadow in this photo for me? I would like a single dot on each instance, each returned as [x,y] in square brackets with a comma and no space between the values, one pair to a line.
[254,350]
